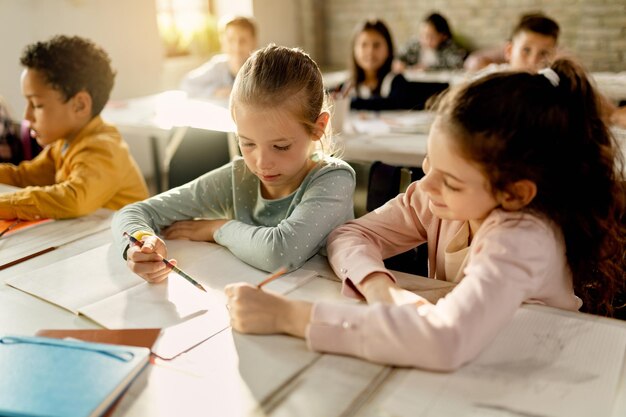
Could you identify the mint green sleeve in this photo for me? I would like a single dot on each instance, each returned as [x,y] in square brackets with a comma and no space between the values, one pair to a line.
[325,204]
[209,196]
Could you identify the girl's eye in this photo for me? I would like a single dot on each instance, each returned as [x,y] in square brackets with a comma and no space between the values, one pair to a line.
[448,186]
[246,144]
[282,148]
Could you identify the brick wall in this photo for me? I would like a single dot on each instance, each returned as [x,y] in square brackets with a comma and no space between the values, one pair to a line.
[593,30]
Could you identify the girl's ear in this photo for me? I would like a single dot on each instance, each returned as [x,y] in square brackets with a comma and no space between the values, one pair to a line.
[508,49]
[82,104]
[518,195]
[320,125]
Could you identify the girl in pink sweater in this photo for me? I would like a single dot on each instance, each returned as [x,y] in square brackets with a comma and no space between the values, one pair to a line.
[521,203]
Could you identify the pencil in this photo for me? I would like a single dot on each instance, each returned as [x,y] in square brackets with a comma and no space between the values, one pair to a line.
[9,227]
[277,274]
[27,257]
[176,269]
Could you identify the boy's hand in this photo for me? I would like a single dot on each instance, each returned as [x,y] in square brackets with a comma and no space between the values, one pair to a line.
[147,260]
[196,230]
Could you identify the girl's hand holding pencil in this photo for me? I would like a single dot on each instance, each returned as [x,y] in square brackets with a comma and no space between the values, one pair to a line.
[146,259]
[169,263]
[254,310]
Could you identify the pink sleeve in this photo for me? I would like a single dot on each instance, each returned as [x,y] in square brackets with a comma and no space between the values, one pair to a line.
[508,264]
[358,248]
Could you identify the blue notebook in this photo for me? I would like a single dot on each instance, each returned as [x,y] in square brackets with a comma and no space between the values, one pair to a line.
[48,377]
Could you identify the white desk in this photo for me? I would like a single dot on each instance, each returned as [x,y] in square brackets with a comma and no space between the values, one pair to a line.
[393,137]
[400,137]
[146,123]
[232,374]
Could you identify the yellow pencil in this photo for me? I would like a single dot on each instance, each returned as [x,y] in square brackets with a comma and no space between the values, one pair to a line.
[277,274]
[176,269]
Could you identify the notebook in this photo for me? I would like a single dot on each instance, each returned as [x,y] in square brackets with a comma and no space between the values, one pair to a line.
[98,284]
[48,235]
[51,377]
[13,226]
[127,337]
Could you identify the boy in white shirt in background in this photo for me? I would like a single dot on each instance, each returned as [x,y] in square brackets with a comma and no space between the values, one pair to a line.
[214,79]
[532,47]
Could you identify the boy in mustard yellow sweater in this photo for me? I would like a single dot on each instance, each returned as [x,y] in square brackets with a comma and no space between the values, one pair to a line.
[85,164]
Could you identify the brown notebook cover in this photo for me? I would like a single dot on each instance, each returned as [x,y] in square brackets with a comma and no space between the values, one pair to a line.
[128,337]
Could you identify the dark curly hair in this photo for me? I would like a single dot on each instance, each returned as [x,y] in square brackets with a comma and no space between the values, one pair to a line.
[519,126]
[73,64]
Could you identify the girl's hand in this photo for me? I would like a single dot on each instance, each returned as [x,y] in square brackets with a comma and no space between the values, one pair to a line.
[147,260]
[379,288]
[196,230]
[253,310]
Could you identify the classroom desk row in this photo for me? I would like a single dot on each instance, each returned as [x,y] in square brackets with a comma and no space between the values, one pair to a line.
[147,124]
[232,374]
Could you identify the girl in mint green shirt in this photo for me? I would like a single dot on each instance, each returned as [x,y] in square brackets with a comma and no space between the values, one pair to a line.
[277,204]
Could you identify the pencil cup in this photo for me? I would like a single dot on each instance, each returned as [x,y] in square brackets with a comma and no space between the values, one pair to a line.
[340,112]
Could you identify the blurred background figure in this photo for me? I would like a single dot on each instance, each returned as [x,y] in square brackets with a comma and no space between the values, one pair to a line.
[214,79]
[373,84]
[435,49]
[16,144]
[531,47]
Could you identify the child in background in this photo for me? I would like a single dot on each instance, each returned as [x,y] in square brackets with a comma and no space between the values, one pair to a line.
[532,46]
[85,164]
[276,206]
[214,79]
[521,202]
[375,85]
[435,49]
[16,144]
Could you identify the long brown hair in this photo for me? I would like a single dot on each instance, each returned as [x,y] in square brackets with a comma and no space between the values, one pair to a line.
[548,129]
[378,26]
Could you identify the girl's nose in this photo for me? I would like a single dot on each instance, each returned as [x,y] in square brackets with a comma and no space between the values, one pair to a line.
[28,114]
[264,160]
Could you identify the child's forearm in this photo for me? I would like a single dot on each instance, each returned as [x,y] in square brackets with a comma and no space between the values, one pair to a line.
[297,318]
[377,287]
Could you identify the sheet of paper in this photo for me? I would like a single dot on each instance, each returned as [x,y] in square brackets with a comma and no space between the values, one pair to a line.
[157,305]
[80,280]
[542,364]
[98,284]
[53,234]
[215,266]
[181,337]
[371,125]
[408,122]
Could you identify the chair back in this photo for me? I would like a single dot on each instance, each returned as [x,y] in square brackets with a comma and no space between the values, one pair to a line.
[193,152]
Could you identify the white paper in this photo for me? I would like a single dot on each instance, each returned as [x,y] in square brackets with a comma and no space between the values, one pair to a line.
[52,235]
[541,364]
[79,280]
[99,285]
[156,305]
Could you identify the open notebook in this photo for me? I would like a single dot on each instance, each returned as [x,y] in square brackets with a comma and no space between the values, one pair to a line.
[24,240]
[49,235]
[52,377]
[99,285]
